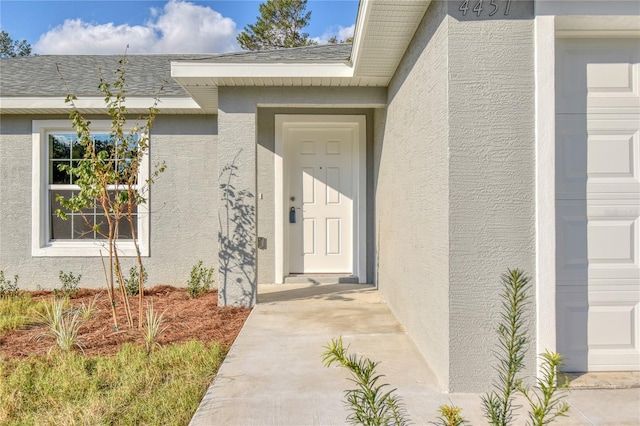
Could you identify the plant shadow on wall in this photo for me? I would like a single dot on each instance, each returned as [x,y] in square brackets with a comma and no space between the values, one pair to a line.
[237,238]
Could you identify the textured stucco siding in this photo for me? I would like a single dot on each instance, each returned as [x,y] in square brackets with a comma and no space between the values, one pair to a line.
[491,182]
[183,227]
[455,185]
[246,131]
[411,178]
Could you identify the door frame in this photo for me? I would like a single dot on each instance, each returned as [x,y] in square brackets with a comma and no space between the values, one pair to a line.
[551,22]
[357,123]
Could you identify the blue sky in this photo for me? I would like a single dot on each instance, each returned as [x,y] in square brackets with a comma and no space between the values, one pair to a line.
[150,26]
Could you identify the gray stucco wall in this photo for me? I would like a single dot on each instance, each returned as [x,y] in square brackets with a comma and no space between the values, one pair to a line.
[250,153]
[455,185]
[412,193]
[491,181]
[183,224]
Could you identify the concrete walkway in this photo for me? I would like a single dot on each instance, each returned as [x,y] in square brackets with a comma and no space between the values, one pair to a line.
[273,374]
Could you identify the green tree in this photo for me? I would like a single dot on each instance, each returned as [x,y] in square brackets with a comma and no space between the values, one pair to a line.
[336,40]
[108,178]
[10,48]
[280,25]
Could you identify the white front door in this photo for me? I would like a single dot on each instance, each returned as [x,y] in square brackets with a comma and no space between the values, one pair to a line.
[598,204]
[320,192]
[323,181]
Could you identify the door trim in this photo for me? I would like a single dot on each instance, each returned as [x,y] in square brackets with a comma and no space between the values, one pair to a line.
[358,124]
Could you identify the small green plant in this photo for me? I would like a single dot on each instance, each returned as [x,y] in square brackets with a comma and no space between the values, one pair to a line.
[89,310]
[449,416]
[498,404]
[544,409]
[8,288]
[371,403]
[132,284]
[62,325]
[200,280]
[69,284]
[152,329]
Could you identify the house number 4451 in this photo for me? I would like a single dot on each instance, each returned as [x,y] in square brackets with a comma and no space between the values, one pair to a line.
[479,7]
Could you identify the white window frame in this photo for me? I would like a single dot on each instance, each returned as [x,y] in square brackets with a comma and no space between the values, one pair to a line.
[41,244]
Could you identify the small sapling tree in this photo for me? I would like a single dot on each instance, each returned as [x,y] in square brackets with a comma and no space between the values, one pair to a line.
[108,177]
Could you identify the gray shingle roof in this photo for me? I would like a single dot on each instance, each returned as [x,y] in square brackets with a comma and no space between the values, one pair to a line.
[37,75]
[326,52]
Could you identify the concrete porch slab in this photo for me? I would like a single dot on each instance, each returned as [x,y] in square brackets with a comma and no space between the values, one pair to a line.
[273,374]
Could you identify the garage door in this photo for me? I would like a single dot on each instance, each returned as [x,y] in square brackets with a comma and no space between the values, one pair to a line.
[598,203]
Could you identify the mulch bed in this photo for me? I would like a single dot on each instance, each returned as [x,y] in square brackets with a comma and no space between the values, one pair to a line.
[186,318]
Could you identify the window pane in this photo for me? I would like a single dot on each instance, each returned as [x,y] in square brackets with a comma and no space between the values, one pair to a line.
[60,229]
[57,176]
[124,229]
[102,142]
[60,146]
[77,150]
[81,229]
[64,149]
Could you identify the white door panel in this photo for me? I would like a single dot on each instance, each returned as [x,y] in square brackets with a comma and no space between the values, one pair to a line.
[321,191]
[598,204]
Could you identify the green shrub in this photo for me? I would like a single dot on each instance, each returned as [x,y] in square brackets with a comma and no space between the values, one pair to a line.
[498,404]
[200,279]
[449,416]
[131,284]
[8,288]
[370,402]
[69,284]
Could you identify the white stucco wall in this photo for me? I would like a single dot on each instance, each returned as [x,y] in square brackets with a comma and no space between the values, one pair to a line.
[183,227]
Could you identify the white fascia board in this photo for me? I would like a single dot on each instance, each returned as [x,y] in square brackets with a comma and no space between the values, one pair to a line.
[258,70]
[363,15]
[15,103]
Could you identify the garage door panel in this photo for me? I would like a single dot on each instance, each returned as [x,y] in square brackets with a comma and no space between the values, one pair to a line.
[614,333]
[598,169]
[613,88]
[571,235]
[572,317]
[608,70]
[611,241]
[613,164]
[571,157]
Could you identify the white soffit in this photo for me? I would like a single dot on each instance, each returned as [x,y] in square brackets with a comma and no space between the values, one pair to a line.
[598,26]
[383,32]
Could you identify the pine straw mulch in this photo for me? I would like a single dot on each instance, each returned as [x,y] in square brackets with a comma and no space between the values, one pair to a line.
[186,318]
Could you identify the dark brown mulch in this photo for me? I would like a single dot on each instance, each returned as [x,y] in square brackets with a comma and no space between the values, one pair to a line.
[186,318]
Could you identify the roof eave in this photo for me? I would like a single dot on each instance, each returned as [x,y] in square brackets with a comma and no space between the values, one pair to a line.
[96,105]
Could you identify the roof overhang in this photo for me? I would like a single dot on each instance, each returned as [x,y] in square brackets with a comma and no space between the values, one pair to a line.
[383,31]
[96,105]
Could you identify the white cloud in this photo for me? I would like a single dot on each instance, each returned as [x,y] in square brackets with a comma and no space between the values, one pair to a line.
[340,32]
[179,27]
